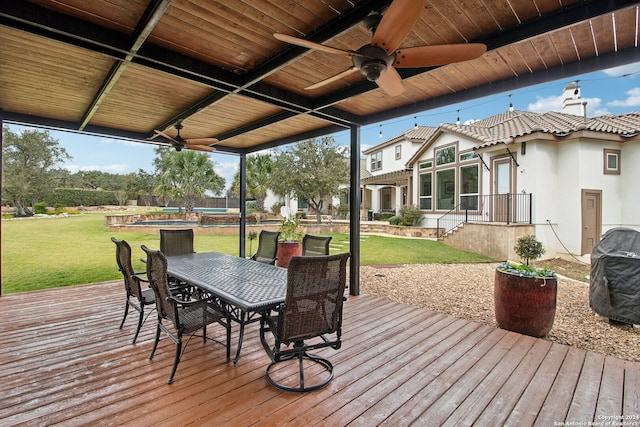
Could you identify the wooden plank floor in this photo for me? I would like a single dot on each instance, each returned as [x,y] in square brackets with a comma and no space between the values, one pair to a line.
[64,361]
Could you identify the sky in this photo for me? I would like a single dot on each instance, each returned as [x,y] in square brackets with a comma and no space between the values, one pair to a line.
[612,91]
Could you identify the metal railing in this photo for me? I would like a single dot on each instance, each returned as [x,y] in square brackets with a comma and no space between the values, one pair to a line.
[506,208]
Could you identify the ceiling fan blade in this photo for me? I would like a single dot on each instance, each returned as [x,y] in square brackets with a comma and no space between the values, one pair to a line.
[332,79]
[200,148]
[202,141]
[164,135]
[312,45]
[391,82]
[396,24]
[429,56]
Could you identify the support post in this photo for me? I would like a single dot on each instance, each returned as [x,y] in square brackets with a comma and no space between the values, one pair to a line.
[243,204]
[354,212]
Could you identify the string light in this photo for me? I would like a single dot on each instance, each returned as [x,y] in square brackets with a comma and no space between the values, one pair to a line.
[510,104]
[458,119]
[380,131]
[415,124]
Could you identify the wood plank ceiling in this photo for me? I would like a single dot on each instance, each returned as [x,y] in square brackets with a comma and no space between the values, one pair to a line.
[127,67]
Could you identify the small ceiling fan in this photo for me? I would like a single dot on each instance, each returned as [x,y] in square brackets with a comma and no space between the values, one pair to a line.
[200,144]
[378,61]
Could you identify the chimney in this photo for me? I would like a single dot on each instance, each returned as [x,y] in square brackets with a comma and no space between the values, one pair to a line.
[572,102]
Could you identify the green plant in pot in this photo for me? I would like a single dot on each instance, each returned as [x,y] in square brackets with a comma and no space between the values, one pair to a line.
[524,295]
[290,239]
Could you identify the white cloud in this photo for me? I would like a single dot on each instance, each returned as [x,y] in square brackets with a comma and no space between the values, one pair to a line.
[554,103]
[226,170]
[543,105]
[624,70]
[632,100]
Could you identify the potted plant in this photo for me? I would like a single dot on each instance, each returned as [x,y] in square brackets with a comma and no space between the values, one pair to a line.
[290,239]
[524,295]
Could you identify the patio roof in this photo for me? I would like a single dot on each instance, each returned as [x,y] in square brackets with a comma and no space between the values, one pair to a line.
[126,68]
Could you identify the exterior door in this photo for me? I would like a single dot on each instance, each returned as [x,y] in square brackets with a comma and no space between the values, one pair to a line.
[591,219]
[501,189]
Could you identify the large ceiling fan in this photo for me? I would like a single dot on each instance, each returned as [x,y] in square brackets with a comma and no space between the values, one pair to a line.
[378,61]
[200,144]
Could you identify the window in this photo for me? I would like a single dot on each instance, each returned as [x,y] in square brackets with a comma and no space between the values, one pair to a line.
[425,191]
[467,156]
[445,189]
[611,162]
[426,165]
[385,199]
[445,155]
[398,152]
[469,187]
[376,161]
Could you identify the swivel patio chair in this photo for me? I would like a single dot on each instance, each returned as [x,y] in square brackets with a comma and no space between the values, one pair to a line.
[309,319]
[315,245]
[267,247]
[136,296]
[182,317]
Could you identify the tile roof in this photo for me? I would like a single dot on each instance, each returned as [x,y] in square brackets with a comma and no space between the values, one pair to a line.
[504,127]
[417,134]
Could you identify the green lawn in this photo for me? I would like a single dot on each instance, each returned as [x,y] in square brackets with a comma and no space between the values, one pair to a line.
[51,252]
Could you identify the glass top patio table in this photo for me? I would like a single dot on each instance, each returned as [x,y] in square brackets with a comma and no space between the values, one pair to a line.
[244,287]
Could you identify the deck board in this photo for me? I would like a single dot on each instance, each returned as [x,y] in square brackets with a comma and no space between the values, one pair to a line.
[69,364]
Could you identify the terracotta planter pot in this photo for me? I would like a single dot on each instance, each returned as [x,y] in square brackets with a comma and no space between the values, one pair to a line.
[285,251]
[525,304]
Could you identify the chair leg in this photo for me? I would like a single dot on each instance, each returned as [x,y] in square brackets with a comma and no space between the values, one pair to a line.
[140,321]
[176,360]
[126,310]
[228,326]
[155,343]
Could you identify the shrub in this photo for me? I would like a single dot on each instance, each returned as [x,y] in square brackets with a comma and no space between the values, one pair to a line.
[528,248]
[395,220]
[411,215]
[275,208]
[40,208]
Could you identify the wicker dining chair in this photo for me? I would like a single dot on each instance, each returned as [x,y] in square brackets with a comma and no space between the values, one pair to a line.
[267,247]
[182,317]
[315,245]
[309,319]
[176,242]
[136,297]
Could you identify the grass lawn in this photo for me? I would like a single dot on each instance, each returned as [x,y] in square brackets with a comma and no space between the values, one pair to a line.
[40,253]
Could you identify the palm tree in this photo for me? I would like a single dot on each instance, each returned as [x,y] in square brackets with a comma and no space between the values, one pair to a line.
[185,175]
[258,174]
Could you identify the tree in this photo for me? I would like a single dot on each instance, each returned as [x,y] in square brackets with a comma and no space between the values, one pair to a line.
[28,167]
[311,170]
[185,175]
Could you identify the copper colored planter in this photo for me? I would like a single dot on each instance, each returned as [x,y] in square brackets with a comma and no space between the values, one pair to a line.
[286,250]
[525,304]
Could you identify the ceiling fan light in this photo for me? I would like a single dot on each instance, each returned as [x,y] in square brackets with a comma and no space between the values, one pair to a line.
[373,69]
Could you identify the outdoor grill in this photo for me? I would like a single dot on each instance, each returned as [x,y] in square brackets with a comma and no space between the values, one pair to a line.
[615,276]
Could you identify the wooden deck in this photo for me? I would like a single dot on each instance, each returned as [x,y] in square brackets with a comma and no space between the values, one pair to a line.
[64,361]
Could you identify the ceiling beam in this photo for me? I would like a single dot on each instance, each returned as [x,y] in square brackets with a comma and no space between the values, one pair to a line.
[149,20]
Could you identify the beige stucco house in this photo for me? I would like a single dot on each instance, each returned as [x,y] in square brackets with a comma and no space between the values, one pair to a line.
[563,176]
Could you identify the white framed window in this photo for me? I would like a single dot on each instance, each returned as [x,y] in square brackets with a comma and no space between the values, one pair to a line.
[398,152]
[426,189]
[611,162]
[376,161]
[469,187]
[445,189]
[445,155]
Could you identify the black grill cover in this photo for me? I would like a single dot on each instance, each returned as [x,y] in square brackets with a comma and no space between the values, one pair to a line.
[615,276]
